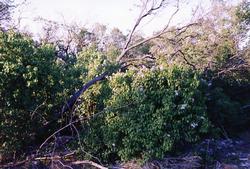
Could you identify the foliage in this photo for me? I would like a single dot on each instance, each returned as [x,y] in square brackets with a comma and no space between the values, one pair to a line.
[143,110]
[32,88]
[148,114]
[225,101]
[93,62]
[214,47]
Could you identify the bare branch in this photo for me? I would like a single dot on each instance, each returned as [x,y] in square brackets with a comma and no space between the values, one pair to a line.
[154,37]
[172,16]
[89,163]
[58,158]
[148,56]
[14,164]
[187,62]
[70,103]
[141,17]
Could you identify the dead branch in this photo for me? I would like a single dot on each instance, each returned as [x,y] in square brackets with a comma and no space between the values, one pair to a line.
[126,48]
[81,146]
[70,103]
[89,163]
[60,158]
[63,165]
[49,158]
[36,109]
[187,62]
[154,37]
[140,18]
[148,56]
[14,164]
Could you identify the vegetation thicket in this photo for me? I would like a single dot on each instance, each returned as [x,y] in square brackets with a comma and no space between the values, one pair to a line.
[190,84]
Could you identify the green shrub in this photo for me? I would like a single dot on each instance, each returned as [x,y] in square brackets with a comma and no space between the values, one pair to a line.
[32,89]
[147,114]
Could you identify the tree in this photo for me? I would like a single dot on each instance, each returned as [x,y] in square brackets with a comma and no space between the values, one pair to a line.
[148,8]
[212,44]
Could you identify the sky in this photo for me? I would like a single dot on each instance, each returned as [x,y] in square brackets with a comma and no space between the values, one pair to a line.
[112,13]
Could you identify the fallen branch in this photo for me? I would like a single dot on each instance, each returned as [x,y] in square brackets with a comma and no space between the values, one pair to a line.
[89,163]
[59,158]
[14,164]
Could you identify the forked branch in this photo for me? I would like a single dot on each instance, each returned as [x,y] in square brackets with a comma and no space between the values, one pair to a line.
[143,15]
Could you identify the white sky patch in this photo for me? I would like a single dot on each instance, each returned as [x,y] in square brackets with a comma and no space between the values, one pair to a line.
[112,13]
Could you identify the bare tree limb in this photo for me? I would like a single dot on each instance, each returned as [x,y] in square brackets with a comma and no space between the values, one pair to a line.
[182,29]
[148,56]
[89,163]
[58,158]
[82,119]
[189,63]
[141,17]
[14,164]
[70,103]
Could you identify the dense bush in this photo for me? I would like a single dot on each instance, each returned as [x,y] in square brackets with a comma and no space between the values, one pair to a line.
[147,114]
[33,86]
